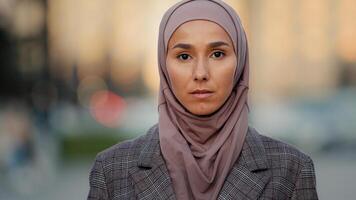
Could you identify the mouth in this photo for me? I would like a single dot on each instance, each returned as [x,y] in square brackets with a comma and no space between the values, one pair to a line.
[201,93]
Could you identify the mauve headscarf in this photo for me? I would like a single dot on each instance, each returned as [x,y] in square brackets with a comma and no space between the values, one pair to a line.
[200,150]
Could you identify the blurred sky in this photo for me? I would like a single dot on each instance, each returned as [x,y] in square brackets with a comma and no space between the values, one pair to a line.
[73,70]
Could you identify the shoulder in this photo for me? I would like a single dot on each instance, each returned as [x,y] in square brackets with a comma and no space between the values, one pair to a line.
[126,151]
[281,154]
[109,174]
[292,170]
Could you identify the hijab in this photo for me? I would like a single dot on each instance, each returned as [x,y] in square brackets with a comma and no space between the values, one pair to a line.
[199,151]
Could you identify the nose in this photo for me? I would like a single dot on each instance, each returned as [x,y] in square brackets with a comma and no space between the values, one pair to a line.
[201,72]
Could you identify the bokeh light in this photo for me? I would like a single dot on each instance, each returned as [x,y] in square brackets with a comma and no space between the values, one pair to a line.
[107,108]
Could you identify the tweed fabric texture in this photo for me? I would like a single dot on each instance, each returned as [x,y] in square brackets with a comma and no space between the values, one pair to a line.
[266,169]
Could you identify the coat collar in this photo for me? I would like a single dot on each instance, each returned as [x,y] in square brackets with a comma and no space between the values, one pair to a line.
[250,174]
[247,178]
[150,178]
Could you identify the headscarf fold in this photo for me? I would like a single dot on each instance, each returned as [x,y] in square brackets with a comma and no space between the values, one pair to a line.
[201,150]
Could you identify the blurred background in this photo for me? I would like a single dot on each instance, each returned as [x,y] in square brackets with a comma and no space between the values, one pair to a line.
[79,76]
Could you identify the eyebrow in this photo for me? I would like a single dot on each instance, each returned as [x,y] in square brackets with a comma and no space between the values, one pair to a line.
[211,45]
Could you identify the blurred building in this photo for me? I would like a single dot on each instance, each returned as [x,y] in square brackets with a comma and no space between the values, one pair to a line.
[297,47]
[302,47]
[23,56]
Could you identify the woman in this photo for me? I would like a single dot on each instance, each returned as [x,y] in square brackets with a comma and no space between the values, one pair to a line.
[202,146]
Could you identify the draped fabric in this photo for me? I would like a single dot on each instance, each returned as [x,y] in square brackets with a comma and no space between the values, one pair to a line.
[200,150]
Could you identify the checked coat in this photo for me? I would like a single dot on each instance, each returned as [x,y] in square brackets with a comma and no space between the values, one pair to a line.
[266,169]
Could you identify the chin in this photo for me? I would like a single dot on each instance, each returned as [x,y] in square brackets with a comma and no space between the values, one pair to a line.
[203,110]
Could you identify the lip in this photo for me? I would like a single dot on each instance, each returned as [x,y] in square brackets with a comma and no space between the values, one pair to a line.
[201,93]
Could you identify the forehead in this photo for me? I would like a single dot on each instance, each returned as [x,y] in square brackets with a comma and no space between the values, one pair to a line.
[197,31]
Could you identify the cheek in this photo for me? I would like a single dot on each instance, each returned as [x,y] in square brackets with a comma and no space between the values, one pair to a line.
[225,79]
[179,77]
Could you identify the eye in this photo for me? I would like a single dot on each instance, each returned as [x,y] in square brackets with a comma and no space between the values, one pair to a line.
[218,54]
[183,56]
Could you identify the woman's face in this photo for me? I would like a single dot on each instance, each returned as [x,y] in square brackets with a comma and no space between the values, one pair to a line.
[201,64]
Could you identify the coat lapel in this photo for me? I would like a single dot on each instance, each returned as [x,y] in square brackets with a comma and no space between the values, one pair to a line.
[246,180]
[250,173]
[150,178]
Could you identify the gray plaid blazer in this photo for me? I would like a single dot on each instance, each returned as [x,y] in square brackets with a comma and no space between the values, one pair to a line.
[266,169]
